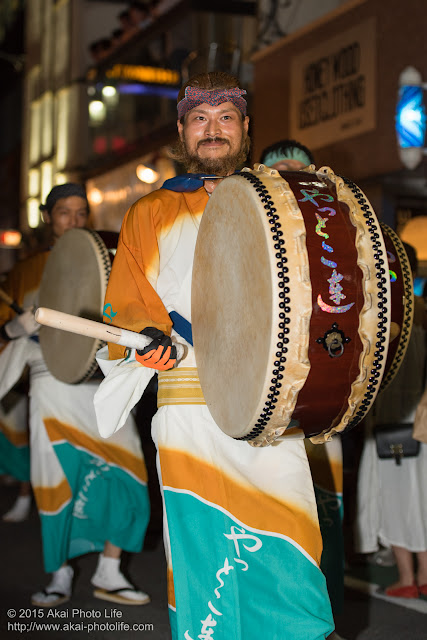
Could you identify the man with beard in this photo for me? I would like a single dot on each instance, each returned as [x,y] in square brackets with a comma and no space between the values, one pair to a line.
[242,536]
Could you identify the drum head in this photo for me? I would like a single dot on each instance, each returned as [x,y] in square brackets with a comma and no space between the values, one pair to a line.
[232,308]
[74,281]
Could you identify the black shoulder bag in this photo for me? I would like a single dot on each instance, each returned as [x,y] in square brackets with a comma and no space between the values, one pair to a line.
[396,441]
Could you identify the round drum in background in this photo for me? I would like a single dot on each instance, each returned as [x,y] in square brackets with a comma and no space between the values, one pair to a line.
[402,301]
[290,304]
[74,281]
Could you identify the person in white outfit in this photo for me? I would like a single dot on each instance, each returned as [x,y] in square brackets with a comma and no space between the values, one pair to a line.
[392,501]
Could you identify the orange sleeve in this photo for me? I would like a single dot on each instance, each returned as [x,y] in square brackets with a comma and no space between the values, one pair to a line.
[131,301]
[22,279]
[15,287]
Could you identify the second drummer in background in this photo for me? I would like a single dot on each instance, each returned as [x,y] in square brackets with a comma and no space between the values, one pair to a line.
[91,494]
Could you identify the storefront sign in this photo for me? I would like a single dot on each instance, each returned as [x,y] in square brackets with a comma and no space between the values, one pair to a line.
[143,74]
[333,88]
[138,73]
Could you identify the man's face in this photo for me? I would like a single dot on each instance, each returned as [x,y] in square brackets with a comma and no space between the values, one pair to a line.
[288,165]
[67,213]
[214,135]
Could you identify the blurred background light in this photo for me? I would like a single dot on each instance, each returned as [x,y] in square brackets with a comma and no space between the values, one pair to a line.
[109,91]
[33,182]
[415,233]
[97,111]
[148,90]
[46,179]
[110,95]
[60,178]
[147,174]
[10,238]
[95,196]
[33,212]
[411,117]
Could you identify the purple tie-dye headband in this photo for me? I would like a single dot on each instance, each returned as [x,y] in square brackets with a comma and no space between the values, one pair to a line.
[214,97]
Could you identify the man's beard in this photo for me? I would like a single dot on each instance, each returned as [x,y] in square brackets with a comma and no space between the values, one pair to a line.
[211,166]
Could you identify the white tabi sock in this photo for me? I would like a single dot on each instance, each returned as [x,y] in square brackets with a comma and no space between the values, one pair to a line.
[113,586]
[62,581]
[57,591]
[108,575]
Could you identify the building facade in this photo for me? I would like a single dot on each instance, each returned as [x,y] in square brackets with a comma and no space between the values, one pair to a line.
[333,85]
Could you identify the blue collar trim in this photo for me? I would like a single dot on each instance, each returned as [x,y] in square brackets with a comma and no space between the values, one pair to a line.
[187,182]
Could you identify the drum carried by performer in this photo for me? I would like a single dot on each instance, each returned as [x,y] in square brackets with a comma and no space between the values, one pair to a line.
[75,281]
[307,282]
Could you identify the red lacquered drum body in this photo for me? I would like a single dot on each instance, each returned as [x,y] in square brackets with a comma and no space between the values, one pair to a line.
[75,281]
[290,304]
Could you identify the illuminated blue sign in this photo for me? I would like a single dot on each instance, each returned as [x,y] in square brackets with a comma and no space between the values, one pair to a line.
[410,117]
[148,90]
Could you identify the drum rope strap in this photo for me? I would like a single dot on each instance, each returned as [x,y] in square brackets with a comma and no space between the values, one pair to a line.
[182,326]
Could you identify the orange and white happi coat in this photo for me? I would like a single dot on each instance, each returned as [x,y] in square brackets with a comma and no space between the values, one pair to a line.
[241,530]
[87,490]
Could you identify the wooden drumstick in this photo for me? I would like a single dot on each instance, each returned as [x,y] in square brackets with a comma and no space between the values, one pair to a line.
[92,329]
[11,302]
